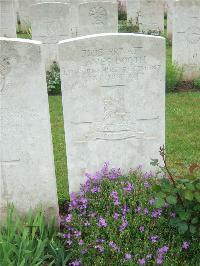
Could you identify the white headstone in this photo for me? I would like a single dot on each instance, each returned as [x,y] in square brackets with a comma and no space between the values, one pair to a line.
[113,89]
[27,177]
[98,17]
[50,24]
[151,18]
[7,19]
[186,37]
[133,11]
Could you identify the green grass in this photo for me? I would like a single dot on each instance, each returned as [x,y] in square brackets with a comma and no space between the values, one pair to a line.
[182,133]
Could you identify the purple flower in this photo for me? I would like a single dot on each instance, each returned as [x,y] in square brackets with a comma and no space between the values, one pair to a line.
[141,229]
[146,211]
[128,256]
[142,261]
[172,214]
[77,233]
[105,169]
[185,245]
[80,242]
[129,187]
[75,263]
[87,223]
[114,196]
[99,248]
[153,239]
[151,201]
[140,166]
[114,246]
[95,189]
[115,173]
[123,225]
[74,200]
[125,209]
[138,209]
[68,218]
[67,235]
[69,242]
[147,175]
[147,185]
[159,260]
[116,216]
[164,249]
[102,222]
[156,213]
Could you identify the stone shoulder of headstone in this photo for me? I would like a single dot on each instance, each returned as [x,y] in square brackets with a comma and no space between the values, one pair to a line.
[27,174]
[7,19]
[113,93]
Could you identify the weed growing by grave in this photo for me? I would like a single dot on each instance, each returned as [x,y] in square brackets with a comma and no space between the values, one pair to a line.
[30,242]
[114,220]
[53,80]
[173,76]
[128,26]
[122,15]
[197,83]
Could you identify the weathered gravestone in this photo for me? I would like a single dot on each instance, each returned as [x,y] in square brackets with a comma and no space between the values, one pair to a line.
[50,24]
[27,177]
[186,37]
[133,11]
[7,19]
[98,17]
[151,18]
[113,88]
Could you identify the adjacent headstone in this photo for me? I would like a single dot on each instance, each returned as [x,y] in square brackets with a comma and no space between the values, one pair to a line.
[50,24]
[7,19]
[113,89]
[27,177]
[98,17]
[133,11]
[186,37]
[151,18]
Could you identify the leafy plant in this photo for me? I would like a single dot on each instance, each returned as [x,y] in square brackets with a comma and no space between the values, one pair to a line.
[53,80]
[122,15]
[197,83]
[128,26]
[30,241]
[183,194]
[114,221]
[173,76]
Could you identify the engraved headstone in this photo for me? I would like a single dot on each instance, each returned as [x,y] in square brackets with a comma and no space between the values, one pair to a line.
[98,17]
[7,19]
[133,11]
[151,18]
[186,37]
[27,177]
[50,24]
[113,89]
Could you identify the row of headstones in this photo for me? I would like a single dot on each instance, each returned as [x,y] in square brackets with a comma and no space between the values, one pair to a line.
[183,28]
[113,95]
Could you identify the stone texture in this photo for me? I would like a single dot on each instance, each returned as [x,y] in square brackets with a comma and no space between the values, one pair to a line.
[186,37]
[133,11]
[98,17]
[151,16]
[27,177]
[50,24]
[7,19]
[113,92]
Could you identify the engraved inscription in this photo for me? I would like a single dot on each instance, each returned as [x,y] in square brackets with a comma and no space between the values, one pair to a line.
[98,16]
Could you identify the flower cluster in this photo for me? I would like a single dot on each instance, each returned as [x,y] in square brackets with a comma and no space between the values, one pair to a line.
[114,220]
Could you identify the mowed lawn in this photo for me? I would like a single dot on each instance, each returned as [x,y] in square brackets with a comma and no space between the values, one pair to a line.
[182,134]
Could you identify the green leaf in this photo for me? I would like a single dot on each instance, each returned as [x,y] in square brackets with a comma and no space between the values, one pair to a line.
[171,200]
[189,195]
[198,185]
[182,228]
[197,196]
[193,229]
[194,220]
[161,195]
[159,202]
[184,216]
[190,186]
[156,188]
